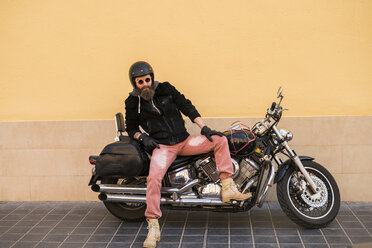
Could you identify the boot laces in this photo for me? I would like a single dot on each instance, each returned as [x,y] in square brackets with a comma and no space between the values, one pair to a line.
[152,227]
[234,187]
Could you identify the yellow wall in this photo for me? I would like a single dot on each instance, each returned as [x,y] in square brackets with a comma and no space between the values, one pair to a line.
[68,60]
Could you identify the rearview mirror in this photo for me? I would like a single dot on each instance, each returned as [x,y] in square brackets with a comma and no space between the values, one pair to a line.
[279,93]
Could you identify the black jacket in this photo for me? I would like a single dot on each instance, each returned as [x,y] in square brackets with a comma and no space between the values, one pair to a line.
[160,118]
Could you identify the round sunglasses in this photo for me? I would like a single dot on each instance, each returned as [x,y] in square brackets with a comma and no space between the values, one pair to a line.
[147,80]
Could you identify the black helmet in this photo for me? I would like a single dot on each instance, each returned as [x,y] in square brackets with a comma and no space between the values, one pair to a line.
[138,69]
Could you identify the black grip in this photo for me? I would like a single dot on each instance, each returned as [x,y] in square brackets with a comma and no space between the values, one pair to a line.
[273,106]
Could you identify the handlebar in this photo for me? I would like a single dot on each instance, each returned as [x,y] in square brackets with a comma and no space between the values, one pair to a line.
[273,105]
[273,116]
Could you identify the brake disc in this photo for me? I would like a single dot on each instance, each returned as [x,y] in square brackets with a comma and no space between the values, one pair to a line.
[320,198]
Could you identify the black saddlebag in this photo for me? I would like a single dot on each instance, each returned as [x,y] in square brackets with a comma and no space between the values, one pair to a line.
[123,158]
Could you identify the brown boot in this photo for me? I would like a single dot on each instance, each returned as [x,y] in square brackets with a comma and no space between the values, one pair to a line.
[153,235]
[230,192]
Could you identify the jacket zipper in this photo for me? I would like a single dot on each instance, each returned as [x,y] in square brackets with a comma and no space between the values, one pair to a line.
[152,102]
[165,120]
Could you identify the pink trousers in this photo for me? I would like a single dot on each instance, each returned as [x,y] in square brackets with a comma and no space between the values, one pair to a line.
[163,157]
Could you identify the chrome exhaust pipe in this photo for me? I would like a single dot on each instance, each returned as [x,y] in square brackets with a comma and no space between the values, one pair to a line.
[115,189]
[163,200]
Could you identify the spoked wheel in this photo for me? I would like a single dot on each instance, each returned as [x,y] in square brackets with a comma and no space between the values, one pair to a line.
[301,205]
[131,212]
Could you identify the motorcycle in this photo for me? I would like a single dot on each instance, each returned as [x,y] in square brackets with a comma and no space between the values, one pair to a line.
[307,193]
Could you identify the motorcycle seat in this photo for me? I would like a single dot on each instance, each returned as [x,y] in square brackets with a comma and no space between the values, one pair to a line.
[183,160]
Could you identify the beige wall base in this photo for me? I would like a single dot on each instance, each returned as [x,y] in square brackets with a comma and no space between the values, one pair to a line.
[48,161]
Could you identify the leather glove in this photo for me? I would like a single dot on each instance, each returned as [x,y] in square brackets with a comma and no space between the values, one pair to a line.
[148,142]
[207,132]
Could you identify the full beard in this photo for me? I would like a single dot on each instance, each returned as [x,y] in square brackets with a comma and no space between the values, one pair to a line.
[147,92]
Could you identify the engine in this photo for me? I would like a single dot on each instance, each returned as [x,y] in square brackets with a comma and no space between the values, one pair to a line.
[243,172]
[207,167]
[180,176]
[248,169]
[206,170]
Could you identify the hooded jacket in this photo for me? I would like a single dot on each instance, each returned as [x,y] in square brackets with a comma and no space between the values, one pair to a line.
[160,117]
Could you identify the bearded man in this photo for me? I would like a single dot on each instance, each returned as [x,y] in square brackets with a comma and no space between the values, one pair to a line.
[157,108]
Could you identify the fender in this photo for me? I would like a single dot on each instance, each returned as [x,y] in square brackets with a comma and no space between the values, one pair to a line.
[94,179]
[285,166]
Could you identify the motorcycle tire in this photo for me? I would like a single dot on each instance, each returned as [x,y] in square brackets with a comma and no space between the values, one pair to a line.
[124,211]
[303,208]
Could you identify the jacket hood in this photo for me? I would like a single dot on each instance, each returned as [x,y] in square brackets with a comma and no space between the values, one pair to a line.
[135,91]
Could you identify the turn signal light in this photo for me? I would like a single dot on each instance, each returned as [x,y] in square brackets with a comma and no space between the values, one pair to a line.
[93,159]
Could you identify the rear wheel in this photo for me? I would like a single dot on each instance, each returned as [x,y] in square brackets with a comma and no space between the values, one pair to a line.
[301,205]
[131,212]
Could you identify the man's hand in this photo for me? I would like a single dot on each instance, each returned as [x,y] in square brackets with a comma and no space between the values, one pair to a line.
[147,141]
[207,132]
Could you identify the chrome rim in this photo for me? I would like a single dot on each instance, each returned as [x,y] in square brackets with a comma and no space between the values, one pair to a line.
[311,207]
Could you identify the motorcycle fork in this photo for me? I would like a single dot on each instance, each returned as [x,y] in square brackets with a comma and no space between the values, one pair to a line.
[297,162]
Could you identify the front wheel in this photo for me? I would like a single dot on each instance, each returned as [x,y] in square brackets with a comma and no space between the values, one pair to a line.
[301,205]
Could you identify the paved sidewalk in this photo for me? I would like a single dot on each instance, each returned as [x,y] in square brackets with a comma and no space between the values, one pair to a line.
[88,224]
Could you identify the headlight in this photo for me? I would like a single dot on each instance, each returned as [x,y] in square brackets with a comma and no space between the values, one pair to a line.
[286,135]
